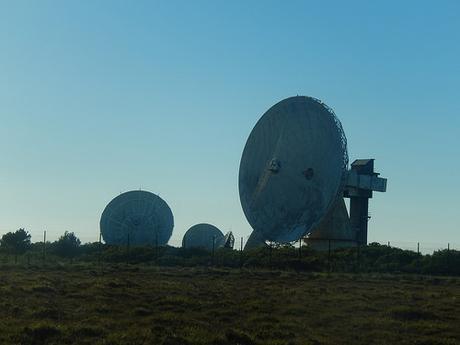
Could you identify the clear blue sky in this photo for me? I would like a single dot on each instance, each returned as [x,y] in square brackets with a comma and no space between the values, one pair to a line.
[99,97]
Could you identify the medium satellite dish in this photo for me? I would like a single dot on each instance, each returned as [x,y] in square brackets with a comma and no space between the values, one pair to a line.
[292,169]
[204,236]
[137,217]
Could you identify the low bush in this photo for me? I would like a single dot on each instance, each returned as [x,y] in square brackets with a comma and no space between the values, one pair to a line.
[371,258]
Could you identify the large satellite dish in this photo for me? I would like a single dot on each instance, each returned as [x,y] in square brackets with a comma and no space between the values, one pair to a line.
[138,218]
[293,169]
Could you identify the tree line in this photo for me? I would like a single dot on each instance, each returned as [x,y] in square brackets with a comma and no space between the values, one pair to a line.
[18,243]
[370,258]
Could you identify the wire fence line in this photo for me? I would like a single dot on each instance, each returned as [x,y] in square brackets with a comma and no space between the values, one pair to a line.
[415,246]
[421,247]
[334,256]
[240,241]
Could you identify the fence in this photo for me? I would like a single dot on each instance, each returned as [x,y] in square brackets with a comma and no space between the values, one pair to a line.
[421,247]
[327,255]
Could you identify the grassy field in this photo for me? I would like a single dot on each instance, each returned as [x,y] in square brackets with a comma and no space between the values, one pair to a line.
[149,305]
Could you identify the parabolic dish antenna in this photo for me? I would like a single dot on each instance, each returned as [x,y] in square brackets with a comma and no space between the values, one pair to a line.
[138,218]
[204,236]
[293,168]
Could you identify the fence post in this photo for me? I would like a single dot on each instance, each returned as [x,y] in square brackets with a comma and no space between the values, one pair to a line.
[358,256]
[157,248]
[44,247]
[99,248]
[300,249]
[127,250]
[241,252]
[388,243]
[418,247]
[448,258]
[213,247]
[270,255]
[329,254]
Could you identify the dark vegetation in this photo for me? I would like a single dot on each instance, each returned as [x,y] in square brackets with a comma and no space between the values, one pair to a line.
[15,243]
[64,292]
[67,246]
[84,303]
[371,258]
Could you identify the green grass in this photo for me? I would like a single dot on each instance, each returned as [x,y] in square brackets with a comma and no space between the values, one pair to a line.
[171,306]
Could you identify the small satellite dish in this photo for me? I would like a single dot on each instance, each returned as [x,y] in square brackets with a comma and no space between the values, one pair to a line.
[292,169]
[138,218]
[204,236]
